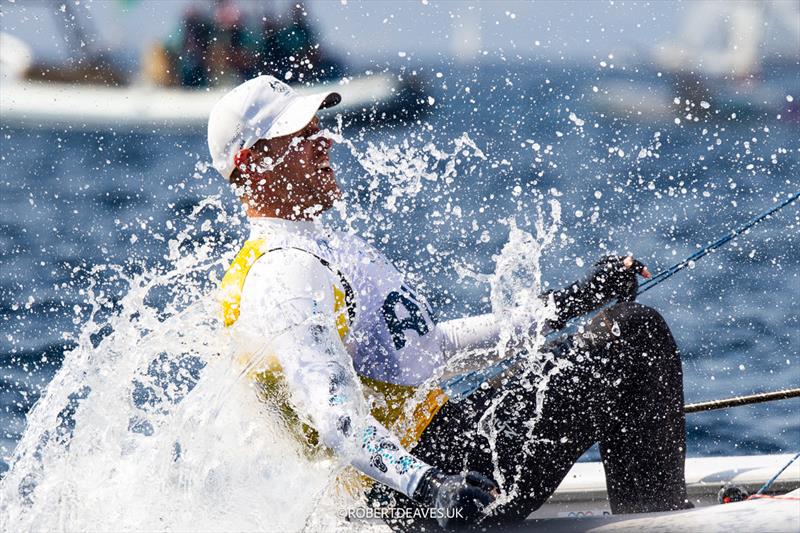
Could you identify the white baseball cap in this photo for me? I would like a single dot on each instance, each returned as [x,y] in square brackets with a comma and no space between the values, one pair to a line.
[261,108]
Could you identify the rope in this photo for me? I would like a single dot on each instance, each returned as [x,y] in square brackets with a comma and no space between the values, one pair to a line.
[668,273]
[741,400]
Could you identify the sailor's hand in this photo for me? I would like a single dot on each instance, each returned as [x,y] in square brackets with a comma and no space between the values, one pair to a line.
[612,277]
[459,499]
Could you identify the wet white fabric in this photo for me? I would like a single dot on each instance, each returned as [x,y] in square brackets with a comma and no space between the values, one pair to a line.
[470,333]
[392,336]
[470,343]
[288,307]
[287,298]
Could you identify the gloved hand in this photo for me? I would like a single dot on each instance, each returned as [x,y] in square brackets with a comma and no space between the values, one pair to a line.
[611,277]
[460,499]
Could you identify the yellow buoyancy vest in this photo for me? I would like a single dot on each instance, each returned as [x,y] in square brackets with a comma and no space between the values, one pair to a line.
[390,409]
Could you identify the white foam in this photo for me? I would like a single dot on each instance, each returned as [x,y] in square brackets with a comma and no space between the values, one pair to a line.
[146,449]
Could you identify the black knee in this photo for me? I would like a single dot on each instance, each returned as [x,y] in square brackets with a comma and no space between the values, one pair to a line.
[641,351]
[633,325]
[635,317]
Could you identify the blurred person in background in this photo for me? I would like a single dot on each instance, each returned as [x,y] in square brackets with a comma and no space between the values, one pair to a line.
[230,59]
[193,47]
[296,49]
[270,56]
[296,38]
[222,47]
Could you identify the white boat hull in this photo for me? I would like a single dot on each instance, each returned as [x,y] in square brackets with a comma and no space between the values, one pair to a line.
[772,515]
[83,107]
[583,490]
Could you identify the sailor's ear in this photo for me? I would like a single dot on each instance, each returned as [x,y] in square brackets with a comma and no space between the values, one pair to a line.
[242,157]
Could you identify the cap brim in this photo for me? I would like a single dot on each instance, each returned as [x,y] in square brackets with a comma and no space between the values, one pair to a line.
[300,111]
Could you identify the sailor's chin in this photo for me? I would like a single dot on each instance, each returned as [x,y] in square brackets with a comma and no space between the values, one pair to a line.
[334,195]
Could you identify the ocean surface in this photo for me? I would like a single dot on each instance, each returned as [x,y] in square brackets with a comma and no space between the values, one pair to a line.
[498,142]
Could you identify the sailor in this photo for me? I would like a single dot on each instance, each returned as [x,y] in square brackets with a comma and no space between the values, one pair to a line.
[349,353]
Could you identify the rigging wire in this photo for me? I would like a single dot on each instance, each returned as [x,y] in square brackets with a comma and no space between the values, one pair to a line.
[766,485]
[674,269]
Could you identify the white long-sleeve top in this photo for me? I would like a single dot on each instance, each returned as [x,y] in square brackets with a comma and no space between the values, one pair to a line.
[334,312]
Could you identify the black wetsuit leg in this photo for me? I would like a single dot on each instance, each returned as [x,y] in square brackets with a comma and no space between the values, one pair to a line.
[619,383]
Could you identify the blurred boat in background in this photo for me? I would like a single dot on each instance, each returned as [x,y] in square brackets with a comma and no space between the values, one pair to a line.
[23,103]
[178,81]
[714,67]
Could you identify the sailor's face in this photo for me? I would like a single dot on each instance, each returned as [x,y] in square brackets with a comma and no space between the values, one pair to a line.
[302,162]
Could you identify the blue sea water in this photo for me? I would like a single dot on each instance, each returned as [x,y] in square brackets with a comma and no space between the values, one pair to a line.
[659,187]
